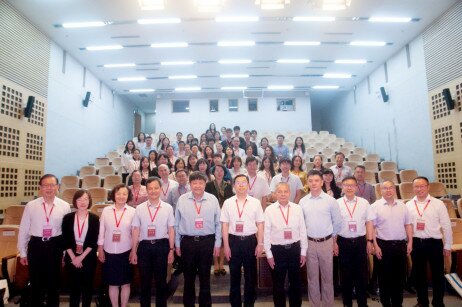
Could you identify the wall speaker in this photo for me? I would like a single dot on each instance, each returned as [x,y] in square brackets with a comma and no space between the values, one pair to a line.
[29,107]
[86,100]
[447,97]
[385,96]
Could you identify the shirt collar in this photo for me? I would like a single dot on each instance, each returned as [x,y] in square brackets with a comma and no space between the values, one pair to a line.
[427,199]
[320,196]
[191,196]
[385,203]
[155,204]
[279,205]
[350,201]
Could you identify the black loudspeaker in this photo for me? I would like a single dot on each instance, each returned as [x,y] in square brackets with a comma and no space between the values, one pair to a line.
[385,96]
[87,99]
[29,107]
[448,99]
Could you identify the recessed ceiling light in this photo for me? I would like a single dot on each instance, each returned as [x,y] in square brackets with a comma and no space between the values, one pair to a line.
[170,45]
[389,19]
[119,65]
[172,63]
[237,19]
[293,61]
[101,48]
[313,18]
[88,24]
[368,43]
[280,87]
[336,76]
[235,61]
[325,87]
[301,43]
[187,89]
[131,79]
[234,88]
[154,21]
[180,77]
[234,76]
[350,61]
[235,43]
[142,90]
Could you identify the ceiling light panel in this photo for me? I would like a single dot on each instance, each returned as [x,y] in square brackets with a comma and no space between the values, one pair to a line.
[237,19]
[103,48]
[131,79]
[142,90]
[170,45]
[236,43]
[368,43]
[88,24]
[155,21]
[119,65]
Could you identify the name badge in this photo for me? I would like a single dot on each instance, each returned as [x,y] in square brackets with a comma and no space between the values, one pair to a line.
[288,234]
[199,223]
[420,225]
[151,231]
[352,226]
[78,247]
[116,234]
[47,231]
[240,226]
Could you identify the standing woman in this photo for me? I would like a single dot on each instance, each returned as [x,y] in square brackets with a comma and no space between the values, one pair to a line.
[135,162]
[329,186]
[213,129]
[152,161]
[269,152]
[164,145]
[299,148]
[263,144]
[229,155]
[141,140]
[139,193]
[189,138]
[237,167]
[297,170]
[127,156]
[317,161]
[267,169]
[208,155]
[162,136]
[114,245]
[192,161]
[80,235]
[144,170]
[203,166]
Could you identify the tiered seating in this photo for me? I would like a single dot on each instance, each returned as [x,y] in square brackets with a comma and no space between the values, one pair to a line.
[389,166]
[407,175]
[101,162]
[68,194]
[87,170]
[13,214]
[111,181]
[437,189]
[406,191]
[450,207]
[68,182]
[106,170]
[91,181]
[98,194]
[385,175]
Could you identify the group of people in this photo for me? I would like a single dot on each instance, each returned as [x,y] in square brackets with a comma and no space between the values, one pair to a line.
[200,215]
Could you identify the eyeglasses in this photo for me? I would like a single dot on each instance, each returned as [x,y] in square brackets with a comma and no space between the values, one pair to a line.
[388,188]
[349,185]
[48,186]
[241,183]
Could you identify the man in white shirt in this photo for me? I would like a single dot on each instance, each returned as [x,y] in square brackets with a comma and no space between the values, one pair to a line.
[182,188]
[242,227]
[175,145]
[323,222]
[285,245]
[145,150]
[238,152]
[153,248]
[389,225]
[292,180]
[431,224]
[167,184]
[340,171]
[258,186]
[40,241]
[352,244]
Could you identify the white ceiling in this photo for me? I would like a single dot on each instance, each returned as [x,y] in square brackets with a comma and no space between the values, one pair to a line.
[202,32]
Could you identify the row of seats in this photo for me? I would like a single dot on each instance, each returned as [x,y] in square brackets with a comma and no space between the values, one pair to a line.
[90,181]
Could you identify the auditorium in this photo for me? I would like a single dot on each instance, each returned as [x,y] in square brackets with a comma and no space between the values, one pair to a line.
[231,153]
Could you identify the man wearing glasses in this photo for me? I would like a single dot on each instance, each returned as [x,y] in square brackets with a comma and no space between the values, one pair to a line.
[40,241]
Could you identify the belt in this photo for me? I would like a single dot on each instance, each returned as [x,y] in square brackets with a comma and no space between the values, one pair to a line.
[425,239]
[355,239]
[154,241]
[288,246]
[43,239]
[199,238]
[320,239]
[394,242]
[242,238]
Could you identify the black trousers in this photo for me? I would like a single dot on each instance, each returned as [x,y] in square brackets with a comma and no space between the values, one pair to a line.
[353,268]
[45,258]
[392,272]
[287,261]
[81,281]
[153,261]
[431,251]
[197,255]
[242,255]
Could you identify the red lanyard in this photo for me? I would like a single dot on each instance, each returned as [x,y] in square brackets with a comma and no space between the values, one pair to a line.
[354,208]
[418,211]
[115,217]
[339,172]
[47,216]
[165,193]
[155,213]
[251,186]
[283,216]
[136,194]
[80,230]
[238,211]
[198,209]
[361,193]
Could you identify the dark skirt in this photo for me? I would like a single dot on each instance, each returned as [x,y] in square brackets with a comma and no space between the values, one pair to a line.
[117,270]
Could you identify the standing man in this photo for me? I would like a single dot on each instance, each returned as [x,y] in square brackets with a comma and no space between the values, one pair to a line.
[389,225]
[364,190]
[281,150]
[248,142]
[148,147]
[238,151]
[285,246]
[40,241]
[182,188]
[237,131]
[352,244]
[242,227]
[167,184]
[153,243]
[198,238]
[292,180]
[228,141]
[323,222]
[176,144]
[340,171]
[431,223]
[258,186]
